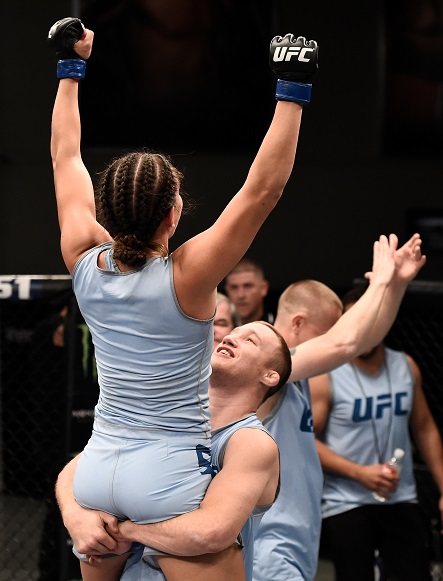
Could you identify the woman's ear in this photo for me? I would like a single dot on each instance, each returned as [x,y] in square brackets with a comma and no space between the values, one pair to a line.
[170,218]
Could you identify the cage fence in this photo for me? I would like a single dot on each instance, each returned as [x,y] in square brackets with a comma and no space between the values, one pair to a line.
[418,330]
[48,391]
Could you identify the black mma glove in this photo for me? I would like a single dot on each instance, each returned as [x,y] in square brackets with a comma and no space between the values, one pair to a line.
[62,37]
[295,62]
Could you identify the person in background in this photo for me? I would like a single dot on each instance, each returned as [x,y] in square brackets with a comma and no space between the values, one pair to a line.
[363,411]
[287,538]
[225,319]
[247,287]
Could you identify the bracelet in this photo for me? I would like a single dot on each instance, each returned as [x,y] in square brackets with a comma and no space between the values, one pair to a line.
[71,69]
[293,91]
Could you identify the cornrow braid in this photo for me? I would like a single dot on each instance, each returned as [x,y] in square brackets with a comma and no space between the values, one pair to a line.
[148,182]
[135,193]
[104,210]
[129,250]
[165,191]
[123,191]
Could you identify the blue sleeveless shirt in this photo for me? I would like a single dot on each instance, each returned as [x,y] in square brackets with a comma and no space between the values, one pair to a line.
[288,537]
[153,361]
[369,417]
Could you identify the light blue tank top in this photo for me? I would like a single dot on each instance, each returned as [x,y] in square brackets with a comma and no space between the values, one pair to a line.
[220,439]
[287,540]
[365,413]
[153,361]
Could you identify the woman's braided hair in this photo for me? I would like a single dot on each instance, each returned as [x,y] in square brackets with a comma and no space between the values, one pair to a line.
[135,193]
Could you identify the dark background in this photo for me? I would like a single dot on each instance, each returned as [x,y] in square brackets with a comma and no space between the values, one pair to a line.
[369,159]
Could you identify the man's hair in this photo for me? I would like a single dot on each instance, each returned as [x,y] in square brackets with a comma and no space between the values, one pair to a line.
[306,294]
[280,362]
[247,265]
[232,308]
[353,295]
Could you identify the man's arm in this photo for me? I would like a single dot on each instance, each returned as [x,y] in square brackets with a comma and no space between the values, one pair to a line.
[249,477]
[425,432]
[368,321]
[351,334]
[374,477]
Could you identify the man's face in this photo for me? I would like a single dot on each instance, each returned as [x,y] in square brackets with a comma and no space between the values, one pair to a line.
[223,323]
[247,291]
[246,352]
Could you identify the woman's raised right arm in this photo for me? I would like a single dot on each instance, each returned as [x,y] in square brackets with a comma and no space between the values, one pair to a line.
[73,186]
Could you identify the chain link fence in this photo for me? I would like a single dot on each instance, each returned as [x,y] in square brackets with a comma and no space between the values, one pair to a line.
[418,331]
[48,390]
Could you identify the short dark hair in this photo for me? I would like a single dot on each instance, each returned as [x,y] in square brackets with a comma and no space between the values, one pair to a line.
[281,362]
[246,264]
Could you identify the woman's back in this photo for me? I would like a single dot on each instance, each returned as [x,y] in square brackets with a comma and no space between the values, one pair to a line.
[153,361]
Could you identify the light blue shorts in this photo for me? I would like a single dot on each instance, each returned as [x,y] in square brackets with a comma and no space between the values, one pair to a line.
[141,474]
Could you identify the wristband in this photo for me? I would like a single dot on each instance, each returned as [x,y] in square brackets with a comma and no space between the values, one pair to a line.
[71,69]
[293,91]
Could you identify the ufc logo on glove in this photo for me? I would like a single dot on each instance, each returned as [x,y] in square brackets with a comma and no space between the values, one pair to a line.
[284,53]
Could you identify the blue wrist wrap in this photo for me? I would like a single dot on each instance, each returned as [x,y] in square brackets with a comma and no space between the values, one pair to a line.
[71,69]
[293,91]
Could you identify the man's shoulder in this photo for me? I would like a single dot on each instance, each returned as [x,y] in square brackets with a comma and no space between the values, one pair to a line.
[252,451]
[257,439]
[247,432]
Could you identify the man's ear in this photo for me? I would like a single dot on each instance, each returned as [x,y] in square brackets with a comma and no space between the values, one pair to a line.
[271,378]
[297,322]
[264,288]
